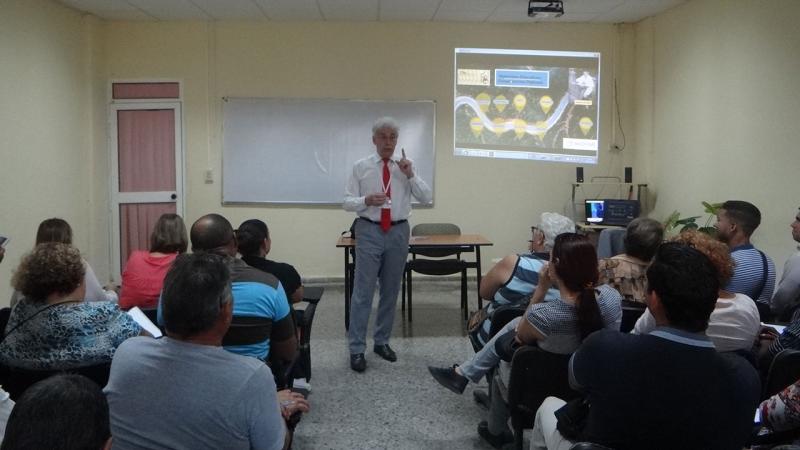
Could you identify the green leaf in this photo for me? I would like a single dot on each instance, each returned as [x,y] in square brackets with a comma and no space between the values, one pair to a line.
[711,208]
[689,226]
[671,219]
[687,220]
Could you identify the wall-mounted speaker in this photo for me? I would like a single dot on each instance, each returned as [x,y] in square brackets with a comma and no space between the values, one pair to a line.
[579,174]
[629,174]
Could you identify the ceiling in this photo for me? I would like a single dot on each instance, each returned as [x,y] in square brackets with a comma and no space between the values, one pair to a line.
[496,11]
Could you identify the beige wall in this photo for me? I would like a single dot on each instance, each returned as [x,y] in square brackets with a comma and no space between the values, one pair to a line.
[46,113]
[356,60]
[717,101]
[706,98]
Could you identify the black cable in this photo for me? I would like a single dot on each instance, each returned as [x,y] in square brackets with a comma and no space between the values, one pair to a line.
[619,121]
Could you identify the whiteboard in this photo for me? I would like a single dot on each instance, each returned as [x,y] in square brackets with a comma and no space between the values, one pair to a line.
[292,151]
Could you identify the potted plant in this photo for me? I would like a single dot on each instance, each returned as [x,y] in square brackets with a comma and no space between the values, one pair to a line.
[674,221]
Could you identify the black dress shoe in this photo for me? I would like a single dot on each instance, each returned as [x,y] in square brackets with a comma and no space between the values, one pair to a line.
[481,398]
[447,377]
[385,352]
[496,441]
[357,362]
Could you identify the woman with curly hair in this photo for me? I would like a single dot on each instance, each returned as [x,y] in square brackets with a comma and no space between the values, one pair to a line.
[51,327]
[734,323]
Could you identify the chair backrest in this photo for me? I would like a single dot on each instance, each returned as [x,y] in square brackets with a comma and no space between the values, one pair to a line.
[536,375]
[611,242]
[630,314]
[246,330]
[431,229]
[502,315]
[5,313]
[15,380]
[784,370]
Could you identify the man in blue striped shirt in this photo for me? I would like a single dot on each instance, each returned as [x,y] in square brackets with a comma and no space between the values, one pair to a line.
[754,274]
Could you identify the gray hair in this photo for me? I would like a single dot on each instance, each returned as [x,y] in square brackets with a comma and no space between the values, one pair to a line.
[553,224]
[385,122]
[642,238]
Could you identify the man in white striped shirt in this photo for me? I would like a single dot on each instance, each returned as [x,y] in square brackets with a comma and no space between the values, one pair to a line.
[754,273]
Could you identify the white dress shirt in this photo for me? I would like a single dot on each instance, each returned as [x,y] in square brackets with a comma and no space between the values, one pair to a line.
[733,325]
[367,178]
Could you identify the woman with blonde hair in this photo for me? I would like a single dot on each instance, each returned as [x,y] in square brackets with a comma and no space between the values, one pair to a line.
[734,323]
[144,272]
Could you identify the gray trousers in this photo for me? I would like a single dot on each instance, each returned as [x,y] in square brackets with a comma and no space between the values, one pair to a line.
[487,358]
[380,257]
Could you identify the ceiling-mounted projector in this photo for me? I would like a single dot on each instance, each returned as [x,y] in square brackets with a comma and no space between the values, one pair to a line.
[545,9]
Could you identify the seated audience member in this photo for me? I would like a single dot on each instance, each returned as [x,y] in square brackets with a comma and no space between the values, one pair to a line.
[787,295]
[754,273]
[66,412]
[781,412]
[556,326]
[6,404]
[58,230]
[255,292]
[734,322]
[677,391]
[51,327]
[626,272]
[144,272]
[184,390]
[254,245]
[513,280]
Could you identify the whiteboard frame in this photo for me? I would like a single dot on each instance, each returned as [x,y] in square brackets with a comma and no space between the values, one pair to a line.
[414,204]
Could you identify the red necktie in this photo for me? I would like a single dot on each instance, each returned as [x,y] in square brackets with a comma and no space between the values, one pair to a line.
[386,213]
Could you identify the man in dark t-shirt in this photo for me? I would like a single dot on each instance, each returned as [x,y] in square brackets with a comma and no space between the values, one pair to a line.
[254,245]
[668,389]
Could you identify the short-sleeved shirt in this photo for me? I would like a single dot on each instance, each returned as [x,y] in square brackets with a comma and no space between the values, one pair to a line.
[748,274]
[734,324]
[669,389]
[557,320]
[64,336]
[626,274]
[259,294]
[166,393]
[143,279]
[285,273]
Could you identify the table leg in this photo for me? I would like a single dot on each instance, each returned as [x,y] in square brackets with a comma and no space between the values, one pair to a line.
[478,264]
[348,288]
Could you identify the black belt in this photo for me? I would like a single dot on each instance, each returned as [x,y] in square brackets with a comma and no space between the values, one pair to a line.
[394,222]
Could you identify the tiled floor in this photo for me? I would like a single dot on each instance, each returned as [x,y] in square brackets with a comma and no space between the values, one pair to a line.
[391,405]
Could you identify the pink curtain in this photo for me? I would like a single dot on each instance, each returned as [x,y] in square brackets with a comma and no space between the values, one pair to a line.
[146,145]
[136,222]
[145,90]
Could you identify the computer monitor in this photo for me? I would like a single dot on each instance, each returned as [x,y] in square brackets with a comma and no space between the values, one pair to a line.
[620,212]
[594,211]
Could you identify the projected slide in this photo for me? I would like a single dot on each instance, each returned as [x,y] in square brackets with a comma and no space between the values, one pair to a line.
[527,104]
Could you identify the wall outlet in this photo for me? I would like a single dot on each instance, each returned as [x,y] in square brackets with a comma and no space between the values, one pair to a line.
[209,177]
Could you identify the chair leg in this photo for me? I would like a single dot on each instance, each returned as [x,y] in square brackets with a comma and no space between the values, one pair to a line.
[403,296]
[409,294]
[464,306]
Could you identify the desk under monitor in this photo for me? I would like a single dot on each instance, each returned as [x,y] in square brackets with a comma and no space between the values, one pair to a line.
[464,242]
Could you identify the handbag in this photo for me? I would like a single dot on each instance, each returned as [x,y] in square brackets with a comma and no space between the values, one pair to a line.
[506,345]
[571,418]
[476,319]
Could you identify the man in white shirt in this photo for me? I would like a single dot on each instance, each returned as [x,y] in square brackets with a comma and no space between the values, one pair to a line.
[379,192]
